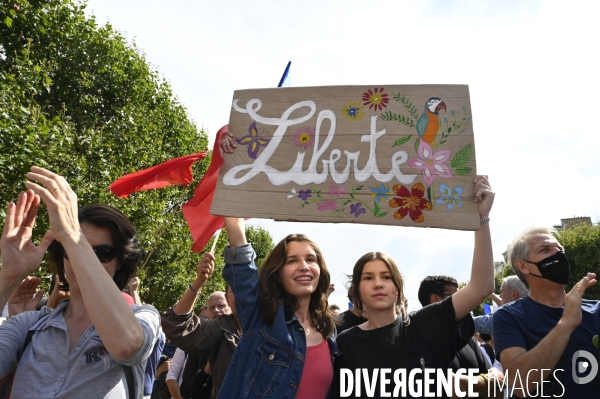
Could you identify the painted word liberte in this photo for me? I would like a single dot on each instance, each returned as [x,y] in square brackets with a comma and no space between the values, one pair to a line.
[310,175]
[419,383]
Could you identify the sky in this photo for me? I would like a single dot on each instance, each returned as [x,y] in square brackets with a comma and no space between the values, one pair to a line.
[530,66]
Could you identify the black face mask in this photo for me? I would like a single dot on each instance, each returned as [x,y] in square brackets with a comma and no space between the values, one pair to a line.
[554,268]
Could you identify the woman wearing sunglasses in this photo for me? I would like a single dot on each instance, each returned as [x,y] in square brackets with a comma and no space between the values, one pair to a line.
[93,344]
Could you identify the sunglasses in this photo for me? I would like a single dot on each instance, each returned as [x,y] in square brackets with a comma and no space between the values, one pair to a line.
[105,253]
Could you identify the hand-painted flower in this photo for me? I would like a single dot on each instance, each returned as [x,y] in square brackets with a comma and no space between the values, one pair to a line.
[357,209]
[336,191]
[327,205]
[450,196]
[253,141]
[304,137]
[410,202]
[375,98]
[352,111]
[379,193]
[432,164]
[304,194]
[292,193]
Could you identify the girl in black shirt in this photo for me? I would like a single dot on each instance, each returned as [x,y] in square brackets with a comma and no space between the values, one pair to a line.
[408,354]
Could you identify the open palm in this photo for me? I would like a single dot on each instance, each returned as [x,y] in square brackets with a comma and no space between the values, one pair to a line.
[20,256]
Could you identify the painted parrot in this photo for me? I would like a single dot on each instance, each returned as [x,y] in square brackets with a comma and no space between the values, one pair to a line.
[429,124]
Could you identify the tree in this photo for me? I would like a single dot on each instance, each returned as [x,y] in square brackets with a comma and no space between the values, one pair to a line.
[164,291]
[76,98]
[582,248]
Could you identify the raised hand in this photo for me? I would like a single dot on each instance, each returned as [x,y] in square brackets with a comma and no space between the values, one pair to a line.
[484,195]
[133,284]
[205,267]
[25,297]
[572,313]
[60,200]
[227,142]
[20,256]
[57,294]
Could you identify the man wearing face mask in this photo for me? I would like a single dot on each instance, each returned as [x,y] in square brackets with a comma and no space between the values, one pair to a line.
[538,336]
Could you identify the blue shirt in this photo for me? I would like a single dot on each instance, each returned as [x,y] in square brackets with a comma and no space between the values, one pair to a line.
[152,364]
[269,360]
[483,324]
[525,322]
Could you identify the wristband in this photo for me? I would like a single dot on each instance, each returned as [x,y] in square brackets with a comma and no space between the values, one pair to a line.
[485,378]
[484,221]
[192,289]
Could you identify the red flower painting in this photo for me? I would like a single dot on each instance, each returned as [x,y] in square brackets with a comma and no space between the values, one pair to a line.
[375,98]
[410,202]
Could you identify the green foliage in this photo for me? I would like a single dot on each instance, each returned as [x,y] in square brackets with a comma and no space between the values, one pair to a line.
[401,140]
[462,156]
[460,159]
[448,128]
[507,271]
[462,171]
[391,116]
[163,287]
[76,98]
[377,210]
[582,248]
[407,104]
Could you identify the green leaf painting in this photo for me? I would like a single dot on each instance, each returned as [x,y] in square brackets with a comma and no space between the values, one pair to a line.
[401,141]
[391,116]
[462,156]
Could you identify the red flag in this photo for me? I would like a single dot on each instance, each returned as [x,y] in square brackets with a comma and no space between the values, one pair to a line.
[173,172]
[201,222]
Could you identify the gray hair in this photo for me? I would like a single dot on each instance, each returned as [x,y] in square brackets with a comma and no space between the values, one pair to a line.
[519,248]
[514,283]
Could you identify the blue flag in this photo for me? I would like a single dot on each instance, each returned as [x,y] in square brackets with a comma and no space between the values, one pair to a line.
[487,309]
[286,80]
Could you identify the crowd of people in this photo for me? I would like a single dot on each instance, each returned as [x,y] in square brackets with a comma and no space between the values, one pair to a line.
[272,332]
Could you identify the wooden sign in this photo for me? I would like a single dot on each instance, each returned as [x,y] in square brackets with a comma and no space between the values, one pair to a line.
[392,155]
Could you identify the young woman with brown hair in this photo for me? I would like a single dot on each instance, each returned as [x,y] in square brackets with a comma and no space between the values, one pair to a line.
[408,344]
[286,350]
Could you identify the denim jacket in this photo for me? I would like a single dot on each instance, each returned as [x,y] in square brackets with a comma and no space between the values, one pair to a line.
[268,361]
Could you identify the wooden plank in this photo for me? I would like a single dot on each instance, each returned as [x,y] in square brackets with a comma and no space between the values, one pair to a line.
[391,155]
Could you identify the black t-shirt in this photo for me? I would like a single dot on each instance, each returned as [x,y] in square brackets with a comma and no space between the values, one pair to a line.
[470,357]
[427,339]
[348,320]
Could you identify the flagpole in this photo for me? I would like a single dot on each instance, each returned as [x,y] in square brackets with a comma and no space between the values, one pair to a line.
[214,245]
[285,74]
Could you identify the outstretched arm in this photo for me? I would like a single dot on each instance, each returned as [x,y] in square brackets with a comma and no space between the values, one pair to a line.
[205,269]
[133,285]
[236,231]
[496,298]
[481,283]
